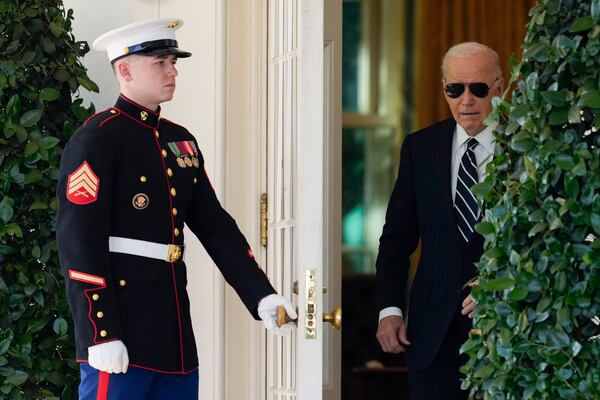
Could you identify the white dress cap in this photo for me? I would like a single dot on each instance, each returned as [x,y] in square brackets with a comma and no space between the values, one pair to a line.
[149,37]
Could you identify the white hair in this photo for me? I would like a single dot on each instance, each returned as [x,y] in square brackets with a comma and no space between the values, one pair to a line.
[469,49]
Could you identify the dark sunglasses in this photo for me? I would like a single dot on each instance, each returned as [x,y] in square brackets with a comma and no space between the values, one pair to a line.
[479,89]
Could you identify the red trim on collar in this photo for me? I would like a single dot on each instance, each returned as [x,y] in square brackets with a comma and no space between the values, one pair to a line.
[117,113]
[130,117]
[138,105]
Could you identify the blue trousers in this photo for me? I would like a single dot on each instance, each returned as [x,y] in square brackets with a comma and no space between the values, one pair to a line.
[136,384]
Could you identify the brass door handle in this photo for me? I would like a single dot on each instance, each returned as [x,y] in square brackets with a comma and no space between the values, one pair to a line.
[334,317]
[282,317]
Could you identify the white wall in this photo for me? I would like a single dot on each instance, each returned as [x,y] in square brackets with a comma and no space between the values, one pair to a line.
[198,106]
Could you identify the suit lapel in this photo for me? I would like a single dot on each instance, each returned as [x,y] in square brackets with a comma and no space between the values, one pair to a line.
[444,154]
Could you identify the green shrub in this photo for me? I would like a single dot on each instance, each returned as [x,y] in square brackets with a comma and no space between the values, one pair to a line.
[40,70]
[540,270]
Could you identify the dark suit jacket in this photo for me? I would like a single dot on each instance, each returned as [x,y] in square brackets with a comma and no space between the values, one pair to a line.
[421,207]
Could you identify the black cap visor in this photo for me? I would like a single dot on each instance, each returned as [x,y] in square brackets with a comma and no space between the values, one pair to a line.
[156,48]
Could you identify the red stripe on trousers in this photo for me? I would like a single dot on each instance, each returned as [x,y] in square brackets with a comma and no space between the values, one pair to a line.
[103,386]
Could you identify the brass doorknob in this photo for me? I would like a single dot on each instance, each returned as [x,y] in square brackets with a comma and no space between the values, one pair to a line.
[334,317]
[282,317]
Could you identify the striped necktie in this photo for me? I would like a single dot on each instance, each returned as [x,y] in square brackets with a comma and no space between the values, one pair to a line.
[465,205]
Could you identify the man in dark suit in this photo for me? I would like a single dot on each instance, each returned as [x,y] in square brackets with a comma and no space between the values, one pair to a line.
[432,202]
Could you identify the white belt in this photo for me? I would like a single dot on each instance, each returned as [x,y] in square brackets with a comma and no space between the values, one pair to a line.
[143,248]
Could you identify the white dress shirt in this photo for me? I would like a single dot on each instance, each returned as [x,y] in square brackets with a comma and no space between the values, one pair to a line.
[484,152]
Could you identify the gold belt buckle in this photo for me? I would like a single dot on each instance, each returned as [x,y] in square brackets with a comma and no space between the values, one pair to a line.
[174,253]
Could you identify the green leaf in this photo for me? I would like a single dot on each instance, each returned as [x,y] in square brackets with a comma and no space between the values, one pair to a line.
[485,371]
[522,142]
[14,230]
[56,28]
[595,221]
[48,142]
[485,228]
[557,99]
[582,24]
[564,161]
[590,98]
[60,326]
[18,378]
[575,114]
[36,252]
[481,189]
[38,325]
[571,185]
[31,148]
[88,84]
[14,105]
[21,133]
[4,345]
[47,45]
[559,116]
[32,176]
[6,210]
[517,294]
[50,94]
[500,284]
[30,118]
[595,10]
[537,228]
[38,205]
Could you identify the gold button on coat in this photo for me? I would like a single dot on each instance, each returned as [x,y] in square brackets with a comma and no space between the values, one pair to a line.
[156,134]
[143,179]
[113,112]
[169,172]
[195,180]
[100,314]
[173,192]
[176,232]
[164,153]
[95,296]
[174,211]
[122,282]
[103,333]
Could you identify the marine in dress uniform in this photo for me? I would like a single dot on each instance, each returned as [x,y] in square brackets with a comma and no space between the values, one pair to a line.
[129,181]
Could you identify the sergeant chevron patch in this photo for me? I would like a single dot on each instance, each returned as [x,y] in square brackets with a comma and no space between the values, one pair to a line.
[83,184]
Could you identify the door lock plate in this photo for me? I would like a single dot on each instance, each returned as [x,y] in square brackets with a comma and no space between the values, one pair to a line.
[310,325]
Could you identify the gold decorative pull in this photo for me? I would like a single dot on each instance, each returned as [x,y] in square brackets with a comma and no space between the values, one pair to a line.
[264,204]
[282,317]
[334,317]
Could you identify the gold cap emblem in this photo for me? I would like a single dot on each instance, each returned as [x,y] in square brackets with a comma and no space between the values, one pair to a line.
[143,115]
[174,24]
[126,50]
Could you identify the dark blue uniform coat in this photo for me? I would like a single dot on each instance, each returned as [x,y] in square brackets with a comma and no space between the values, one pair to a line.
[122,174]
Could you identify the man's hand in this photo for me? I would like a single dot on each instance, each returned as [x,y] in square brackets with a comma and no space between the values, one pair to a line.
[391,334]
[267,311]
[109,357]
[469,303]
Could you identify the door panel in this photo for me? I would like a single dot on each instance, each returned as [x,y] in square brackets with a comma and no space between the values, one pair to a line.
[302,163]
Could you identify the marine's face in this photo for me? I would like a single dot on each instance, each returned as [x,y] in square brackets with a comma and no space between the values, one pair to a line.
[152,78]
[468,110]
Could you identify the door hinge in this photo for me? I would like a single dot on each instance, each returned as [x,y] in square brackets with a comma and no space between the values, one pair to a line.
[264,208]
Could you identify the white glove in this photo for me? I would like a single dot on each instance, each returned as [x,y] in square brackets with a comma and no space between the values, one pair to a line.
[267,310]
[109,357]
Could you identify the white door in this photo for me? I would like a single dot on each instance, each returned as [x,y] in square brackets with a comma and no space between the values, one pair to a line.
[303,183]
